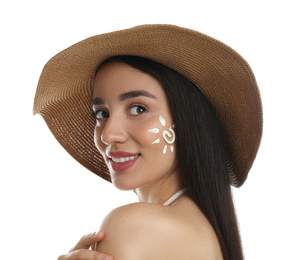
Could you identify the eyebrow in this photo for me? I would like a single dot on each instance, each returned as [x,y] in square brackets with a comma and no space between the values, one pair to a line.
[133,94]
[97,101]
[124,96]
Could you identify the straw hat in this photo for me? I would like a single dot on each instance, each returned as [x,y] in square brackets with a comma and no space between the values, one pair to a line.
[64,91]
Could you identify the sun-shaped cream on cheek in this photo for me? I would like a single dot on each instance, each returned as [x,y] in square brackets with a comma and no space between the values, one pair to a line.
[168,136]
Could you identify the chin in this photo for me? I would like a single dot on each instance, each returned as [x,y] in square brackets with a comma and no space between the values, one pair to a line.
[123,184]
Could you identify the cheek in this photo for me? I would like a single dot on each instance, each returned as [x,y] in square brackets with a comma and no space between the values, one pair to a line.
[155,136]
[144,136]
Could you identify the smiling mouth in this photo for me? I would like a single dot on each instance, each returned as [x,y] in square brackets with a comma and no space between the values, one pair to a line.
[124,159]
[124,162]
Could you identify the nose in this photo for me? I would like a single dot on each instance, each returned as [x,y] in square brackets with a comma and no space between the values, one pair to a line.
[113,131]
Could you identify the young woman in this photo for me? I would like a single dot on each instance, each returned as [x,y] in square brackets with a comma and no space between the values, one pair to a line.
[177,119]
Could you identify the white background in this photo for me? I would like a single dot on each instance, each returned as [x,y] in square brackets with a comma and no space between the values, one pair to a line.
[48,201]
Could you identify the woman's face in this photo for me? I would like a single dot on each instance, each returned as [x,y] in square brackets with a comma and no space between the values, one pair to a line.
[134,128]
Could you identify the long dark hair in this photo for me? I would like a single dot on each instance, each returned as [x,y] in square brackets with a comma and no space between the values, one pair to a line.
[200,151]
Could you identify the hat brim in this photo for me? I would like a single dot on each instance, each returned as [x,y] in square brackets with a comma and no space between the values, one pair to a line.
[64,91]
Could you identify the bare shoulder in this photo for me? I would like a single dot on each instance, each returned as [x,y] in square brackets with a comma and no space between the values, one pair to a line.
[135,213]
[136,216]
[140,231]
[149,231]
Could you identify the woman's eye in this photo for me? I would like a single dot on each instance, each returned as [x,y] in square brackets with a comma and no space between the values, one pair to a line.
[101,114]
[136,110]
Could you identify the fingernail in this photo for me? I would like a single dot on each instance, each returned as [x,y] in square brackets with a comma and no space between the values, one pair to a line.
[96,233]
[107,257]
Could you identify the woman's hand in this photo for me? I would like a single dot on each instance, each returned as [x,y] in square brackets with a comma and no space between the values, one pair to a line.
[82,250]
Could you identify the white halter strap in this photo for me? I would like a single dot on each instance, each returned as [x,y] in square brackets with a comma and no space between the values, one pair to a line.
[175,196]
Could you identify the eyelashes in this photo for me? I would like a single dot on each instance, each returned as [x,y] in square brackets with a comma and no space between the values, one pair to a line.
[133,110]
[137,109]
[100,114]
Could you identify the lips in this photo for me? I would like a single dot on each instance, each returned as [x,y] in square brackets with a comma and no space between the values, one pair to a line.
[121,161]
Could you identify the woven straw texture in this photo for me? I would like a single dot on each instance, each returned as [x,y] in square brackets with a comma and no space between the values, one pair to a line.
[64,91]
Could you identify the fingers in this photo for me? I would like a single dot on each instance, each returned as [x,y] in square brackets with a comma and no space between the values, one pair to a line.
[84,254]
[81,250]
[89,240]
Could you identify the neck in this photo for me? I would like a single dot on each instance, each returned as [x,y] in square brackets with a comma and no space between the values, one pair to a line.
[160,192]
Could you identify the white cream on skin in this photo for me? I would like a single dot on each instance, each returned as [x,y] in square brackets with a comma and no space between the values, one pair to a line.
[154,130]
[168,136]
[162,121]
[157,141]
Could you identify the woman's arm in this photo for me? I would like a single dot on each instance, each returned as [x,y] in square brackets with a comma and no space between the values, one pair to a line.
[81,250]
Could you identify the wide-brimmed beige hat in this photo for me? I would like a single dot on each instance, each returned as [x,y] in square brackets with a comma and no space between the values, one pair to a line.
[64,91]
